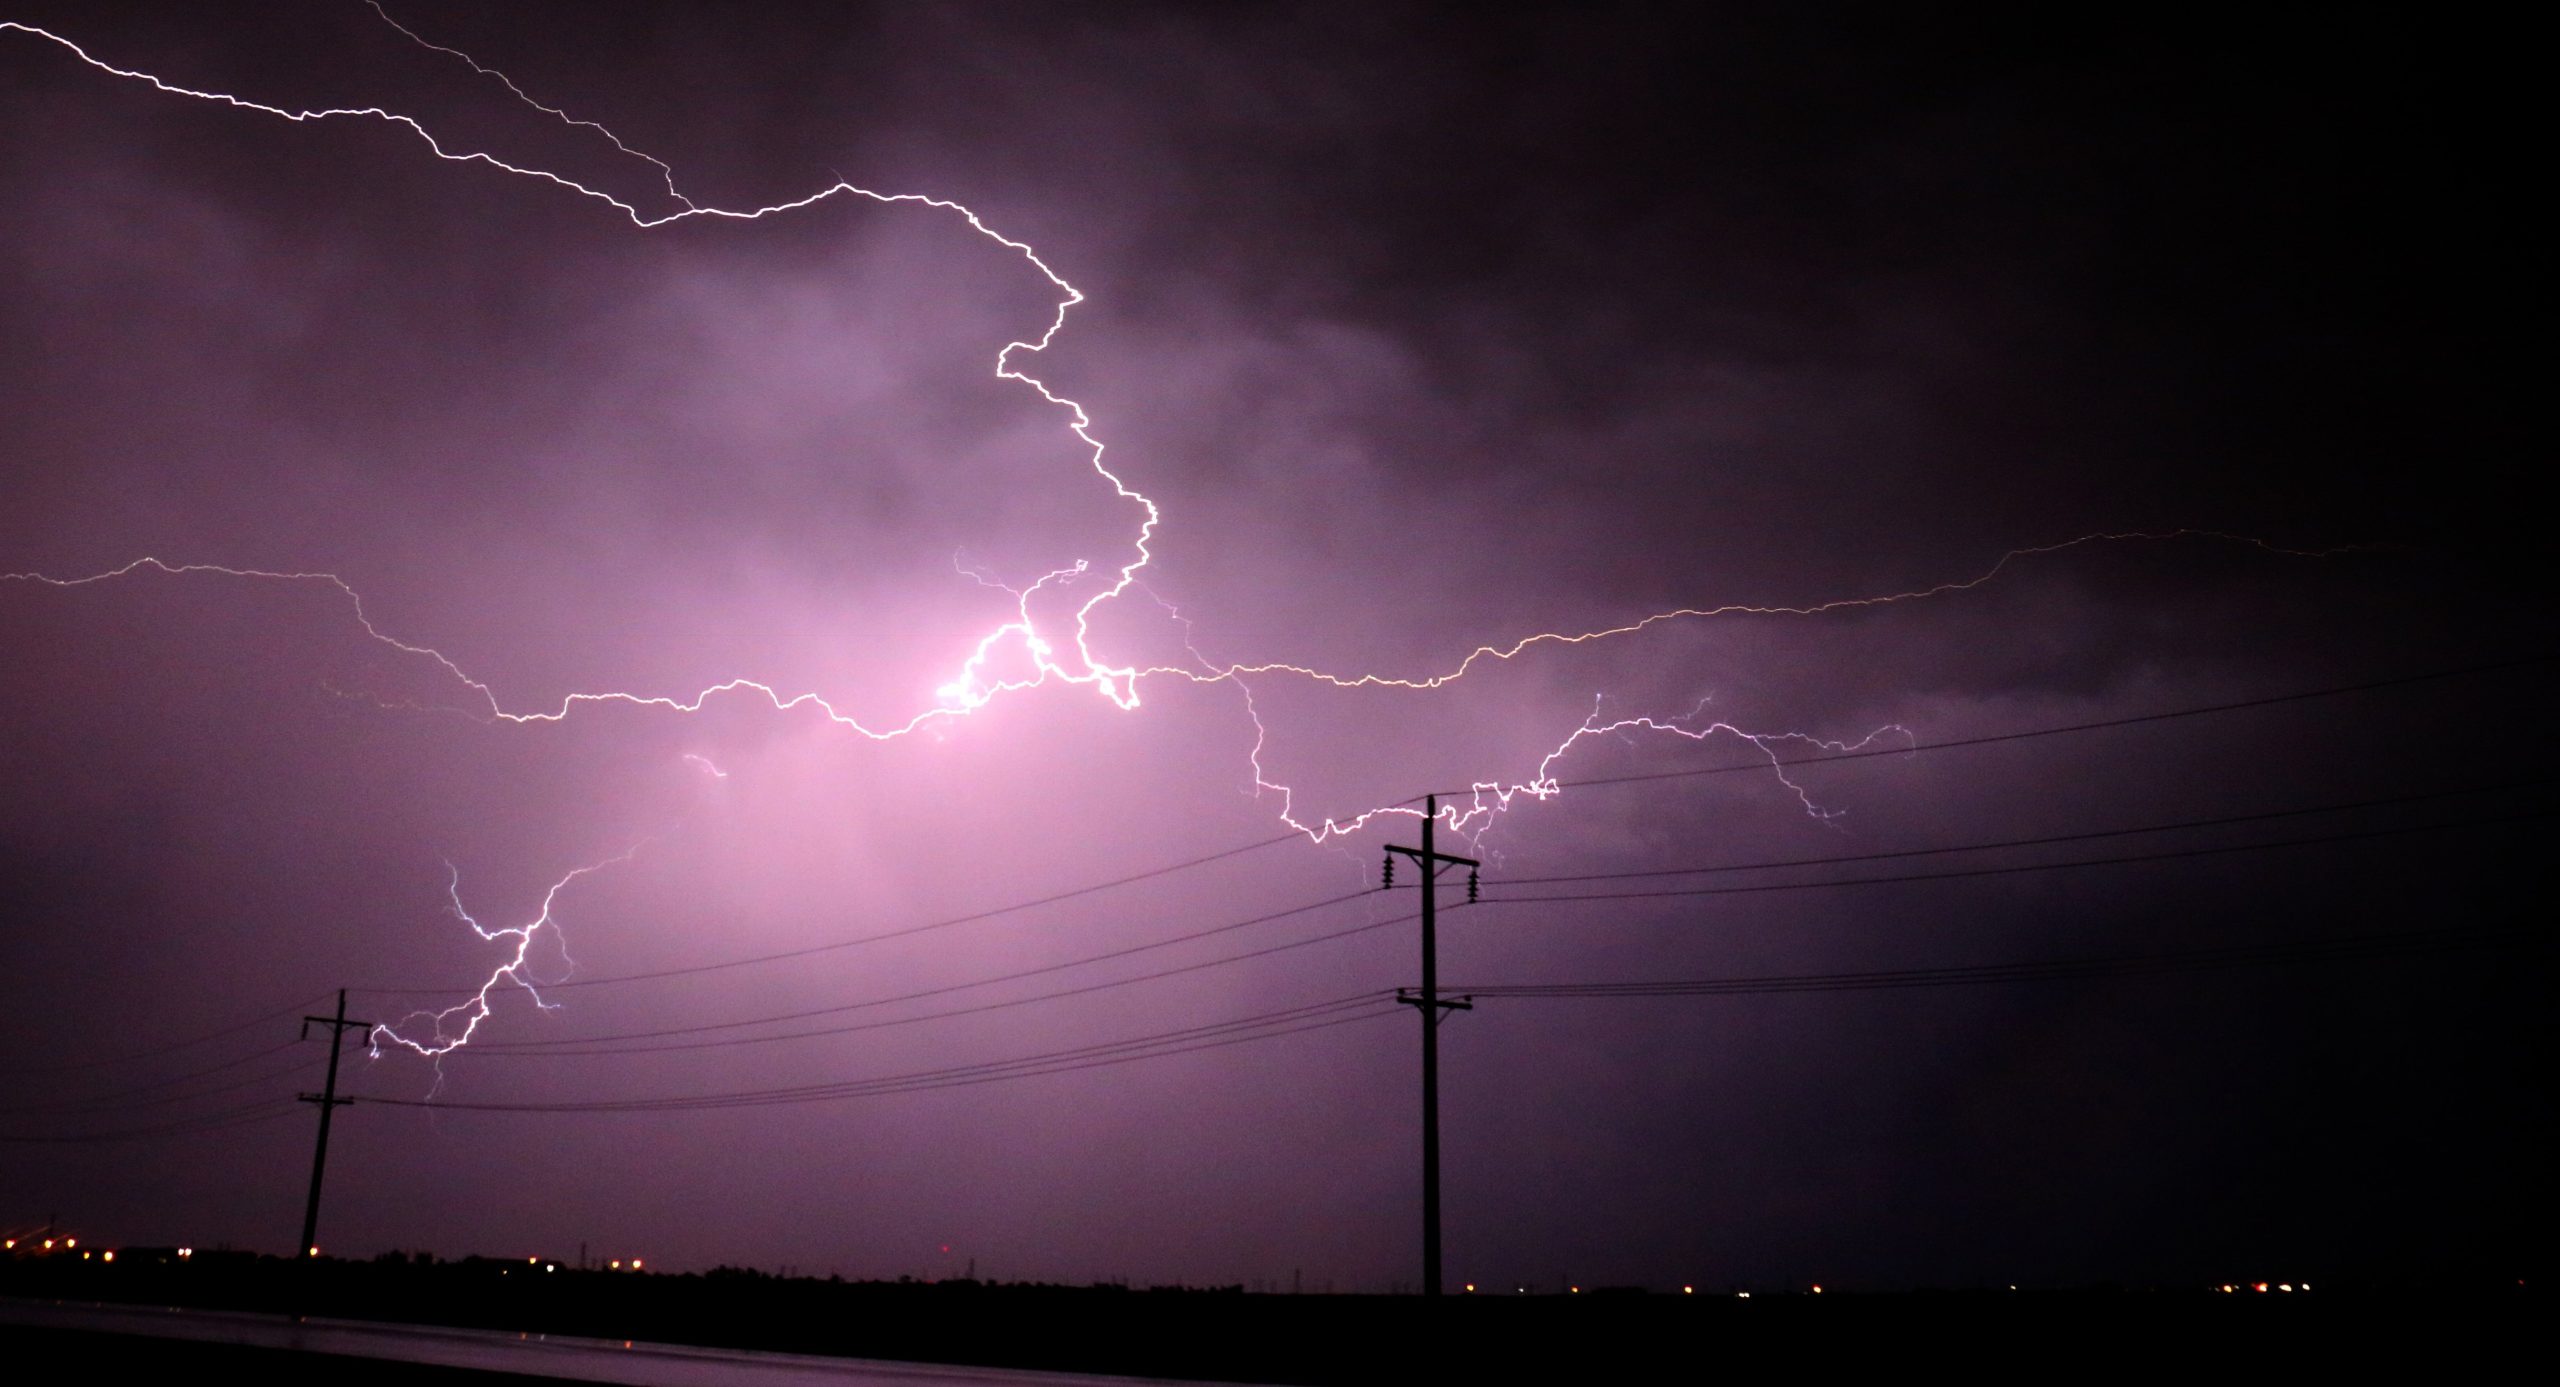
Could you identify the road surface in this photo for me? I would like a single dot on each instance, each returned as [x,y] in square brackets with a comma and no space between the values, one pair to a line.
[552,1356]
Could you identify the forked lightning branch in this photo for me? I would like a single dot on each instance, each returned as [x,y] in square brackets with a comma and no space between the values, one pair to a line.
[1060,653]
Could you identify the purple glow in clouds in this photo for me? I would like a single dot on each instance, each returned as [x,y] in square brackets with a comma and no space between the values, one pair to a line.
[1715,453]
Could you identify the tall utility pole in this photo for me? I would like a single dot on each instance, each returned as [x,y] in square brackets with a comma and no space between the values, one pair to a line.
[1430,1004]
[328,1100]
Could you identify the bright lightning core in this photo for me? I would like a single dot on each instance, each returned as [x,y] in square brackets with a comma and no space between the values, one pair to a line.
[1037,649]
[1048,634]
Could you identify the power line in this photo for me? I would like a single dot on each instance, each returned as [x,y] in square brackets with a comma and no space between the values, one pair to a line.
[947,988]
[2218,822]
[784,955]
[1241,849]
[2162,856]
[2118,965]
[529,1050]
[1372,1006]
[111,1102]
[1167,869]
[961,1011]
[2100,725]
[265,1110]
[191,1041]
[208,1070]
[1264,1026]
[167,1083]
[609,1044]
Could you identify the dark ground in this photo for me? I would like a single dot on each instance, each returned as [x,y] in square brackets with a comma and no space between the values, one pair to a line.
[127,1358]
[1600,1336]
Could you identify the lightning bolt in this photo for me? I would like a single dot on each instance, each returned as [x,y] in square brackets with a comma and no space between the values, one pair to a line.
[436,1034]
[1498,653]
[1066,657]
[971,688]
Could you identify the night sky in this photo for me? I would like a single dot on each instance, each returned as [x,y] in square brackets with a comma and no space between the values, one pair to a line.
[2206,345]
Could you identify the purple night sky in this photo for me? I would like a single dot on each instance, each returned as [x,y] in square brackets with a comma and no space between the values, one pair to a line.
[1426,330]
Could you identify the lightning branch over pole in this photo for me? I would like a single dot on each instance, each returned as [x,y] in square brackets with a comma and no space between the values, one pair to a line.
[328,1100]
[1429,1002]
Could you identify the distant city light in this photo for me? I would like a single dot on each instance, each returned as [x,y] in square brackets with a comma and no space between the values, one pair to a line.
[110,1255]
[1688,1290]
[312,1251]
[1742,1295]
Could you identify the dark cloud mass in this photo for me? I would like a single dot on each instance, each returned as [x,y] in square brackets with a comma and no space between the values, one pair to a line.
[1427,330]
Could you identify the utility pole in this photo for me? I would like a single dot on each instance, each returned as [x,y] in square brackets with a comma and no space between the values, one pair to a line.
[328,1100]
[1431,1005]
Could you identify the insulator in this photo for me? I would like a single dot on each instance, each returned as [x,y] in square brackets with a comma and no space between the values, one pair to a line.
[1387,880]
[1471,887]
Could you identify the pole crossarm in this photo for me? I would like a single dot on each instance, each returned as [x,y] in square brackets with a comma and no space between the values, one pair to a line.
[1410,996]
[1419,854]
[1437,1007]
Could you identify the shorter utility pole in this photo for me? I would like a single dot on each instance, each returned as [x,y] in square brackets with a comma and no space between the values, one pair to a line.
[328,1100]
[1429,1002]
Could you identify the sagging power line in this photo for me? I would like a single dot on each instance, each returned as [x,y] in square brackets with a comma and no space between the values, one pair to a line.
[2165,855]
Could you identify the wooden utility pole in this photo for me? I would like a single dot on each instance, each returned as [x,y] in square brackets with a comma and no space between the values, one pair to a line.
[329,1101]
[1429,1002]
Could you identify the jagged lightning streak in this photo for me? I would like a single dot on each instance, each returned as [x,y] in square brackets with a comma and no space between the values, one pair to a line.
[1948,588]
[975,684]
[666,172]
[974,688]
[441,1034]
[1543,785]
[1489,797]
